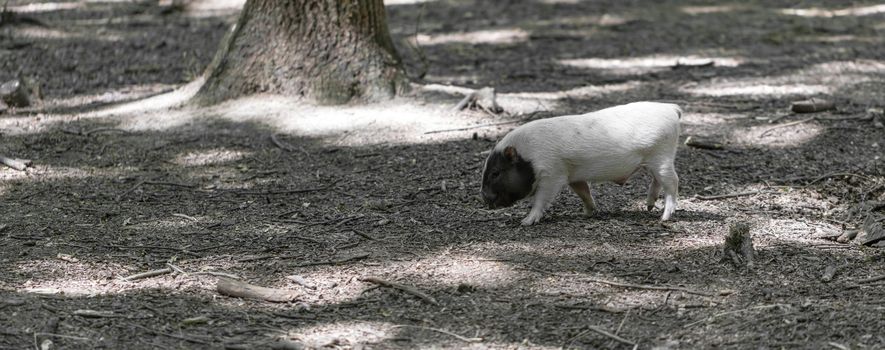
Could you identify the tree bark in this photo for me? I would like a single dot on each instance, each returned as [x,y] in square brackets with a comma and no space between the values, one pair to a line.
[322,51]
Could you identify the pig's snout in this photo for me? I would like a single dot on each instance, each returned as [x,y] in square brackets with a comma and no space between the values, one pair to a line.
[489,198]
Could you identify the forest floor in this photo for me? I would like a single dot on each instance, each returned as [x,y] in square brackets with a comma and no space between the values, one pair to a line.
[125,179]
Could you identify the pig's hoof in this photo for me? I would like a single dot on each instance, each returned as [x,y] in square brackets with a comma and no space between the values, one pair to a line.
[650,207]
[530,220]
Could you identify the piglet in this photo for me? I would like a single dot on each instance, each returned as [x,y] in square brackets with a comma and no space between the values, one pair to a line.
[539,158]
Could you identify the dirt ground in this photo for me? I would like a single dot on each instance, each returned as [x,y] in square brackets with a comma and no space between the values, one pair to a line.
[311,200]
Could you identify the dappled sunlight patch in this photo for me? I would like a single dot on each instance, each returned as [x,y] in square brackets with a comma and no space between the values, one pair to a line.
[848,11]
[821,78]
[840,38]
[118,95]
[761,90]
[350,332]
[488,36]
[39,172]
[581,92]
[56,276]
[209,157]
[46,7]
[49,33]
[647,64]
[212,8]
[703,10]
[705,124]
[790,136]
[163,101]
[604,20]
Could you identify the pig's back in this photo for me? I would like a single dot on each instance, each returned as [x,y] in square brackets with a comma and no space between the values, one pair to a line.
[601,145]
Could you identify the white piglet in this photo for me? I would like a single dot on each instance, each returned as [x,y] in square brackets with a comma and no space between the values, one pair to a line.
[541,157]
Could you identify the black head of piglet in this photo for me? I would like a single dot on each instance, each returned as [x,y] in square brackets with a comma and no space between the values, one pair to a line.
[507,178]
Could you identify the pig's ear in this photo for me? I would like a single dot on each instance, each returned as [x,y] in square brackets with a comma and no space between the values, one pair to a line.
[510,154]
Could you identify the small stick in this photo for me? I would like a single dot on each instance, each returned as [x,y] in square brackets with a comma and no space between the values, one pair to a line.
[784,125]
[827,176]
[95,314]
[710,318]
[404,288]
[607,334]
[625,318]
[282,145]
[329,262]
[15,163]
[179,337]
[239,289]
[730,195]
[472,127]
[872,279]
[461,338]
[649,287]
[147,274]
[216,274]
[183,216]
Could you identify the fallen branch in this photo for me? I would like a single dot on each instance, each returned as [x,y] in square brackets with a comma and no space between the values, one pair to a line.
[404,288]
[15,163]
[234,288]
[148,274]
[784,125]
[730,195]
[650,287]
[461,338]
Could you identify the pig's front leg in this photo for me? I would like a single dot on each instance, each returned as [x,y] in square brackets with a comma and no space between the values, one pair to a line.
[547,190]
[582,189]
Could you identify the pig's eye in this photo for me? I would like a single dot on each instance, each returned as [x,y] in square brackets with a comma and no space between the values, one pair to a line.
[495,174]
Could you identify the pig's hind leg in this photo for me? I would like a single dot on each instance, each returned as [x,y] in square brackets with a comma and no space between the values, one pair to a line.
[582,189]
[547,190]
[654,190]
[665,175]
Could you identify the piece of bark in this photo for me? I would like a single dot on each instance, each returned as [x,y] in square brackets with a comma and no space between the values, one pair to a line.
[829,273]
[15,93]
[874,228]
[15,163]
[847,236]
[738,245]
[691,141]
[812,105]
[239,289]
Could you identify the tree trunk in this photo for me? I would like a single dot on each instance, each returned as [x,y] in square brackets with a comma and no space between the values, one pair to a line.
[322,51]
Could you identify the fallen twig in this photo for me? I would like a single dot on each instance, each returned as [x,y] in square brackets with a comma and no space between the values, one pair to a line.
[329,262]
[239,289]
[282,145]
[731,195]
[147,274]
[461,338]
[872,279]
[607,334]
[784,125]
[170,335]
[650,287]
[472,127]
[95,314]
[710,318]
[402,287]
